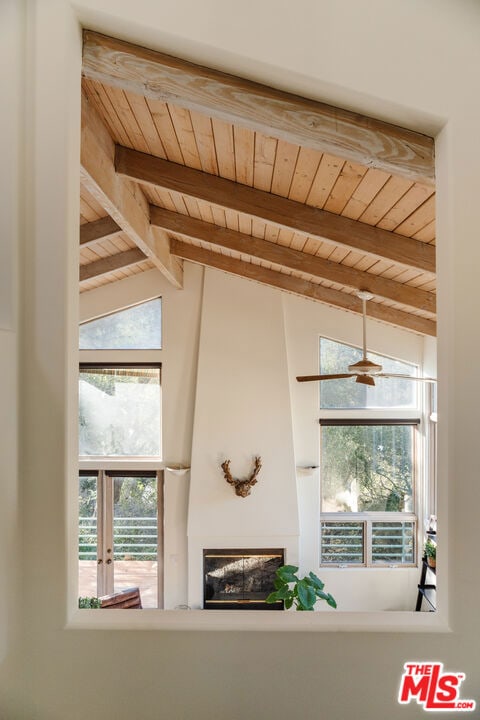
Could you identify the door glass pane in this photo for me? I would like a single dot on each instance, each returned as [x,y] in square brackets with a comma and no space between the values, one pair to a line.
[135,536]
[119,411]
[87,536]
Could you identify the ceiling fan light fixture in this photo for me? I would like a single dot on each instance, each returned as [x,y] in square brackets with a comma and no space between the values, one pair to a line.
[365,367]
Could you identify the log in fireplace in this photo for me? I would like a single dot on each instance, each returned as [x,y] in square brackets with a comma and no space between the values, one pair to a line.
[240,579]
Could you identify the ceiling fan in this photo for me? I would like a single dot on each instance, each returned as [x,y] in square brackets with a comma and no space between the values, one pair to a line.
[364,371]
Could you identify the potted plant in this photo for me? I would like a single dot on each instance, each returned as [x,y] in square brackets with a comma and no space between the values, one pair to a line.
[303,593]
[431,553]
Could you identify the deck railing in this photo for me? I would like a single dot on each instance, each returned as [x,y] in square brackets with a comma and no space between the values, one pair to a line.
[368,542]
[134,538]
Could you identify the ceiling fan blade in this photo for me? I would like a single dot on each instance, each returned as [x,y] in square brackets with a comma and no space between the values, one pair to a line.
[311,378]
[407,377]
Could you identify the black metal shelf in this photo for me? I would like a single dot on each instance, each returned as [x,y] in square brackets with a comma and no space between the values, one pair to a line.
[424,587]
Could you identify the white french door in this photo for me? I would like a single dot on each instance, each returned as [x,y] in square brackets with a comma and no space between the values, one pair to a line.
[119,534]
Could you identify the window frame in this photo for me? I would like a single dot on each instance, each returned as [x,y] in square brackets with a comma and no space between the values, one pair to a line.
[123,462]
[117,311]
[378,416]
[368,518]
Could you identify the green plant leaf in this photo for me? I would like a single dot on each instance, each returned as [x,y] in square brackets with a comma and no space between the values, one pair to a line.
[331,601]
[289,603]
[306,595]
[316,582]
[287,573]
[272,598]
[278,583]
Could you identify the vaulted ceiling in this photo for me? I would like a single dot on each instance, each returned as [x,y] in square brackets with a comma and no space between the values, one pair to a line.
[183,163]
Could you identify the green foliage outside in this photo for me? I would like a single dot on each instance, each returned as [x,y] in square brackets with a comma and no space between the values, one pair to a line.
[304,593]
[135,518]
[89,603]
[367,468]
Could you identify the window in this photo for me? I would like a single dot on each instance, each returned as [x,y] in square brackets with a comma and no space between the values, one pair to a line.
[120,485]
[136,328]
[369,491]
[119,410]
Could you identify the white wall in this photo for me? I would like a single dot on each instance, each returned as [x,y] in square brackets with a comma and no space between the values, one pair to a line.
[414,62]
[242,410]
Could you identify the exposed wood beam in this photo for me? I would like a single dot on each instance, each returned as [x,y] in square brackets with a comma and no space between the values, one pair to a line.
[102,229]
[274,209]
[292,259]
[109,264]
[273,112]
[301,287]
[125,203]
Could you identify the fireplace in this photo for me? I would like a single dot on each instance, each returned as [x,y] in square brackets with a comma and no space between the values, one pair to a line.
[240,579]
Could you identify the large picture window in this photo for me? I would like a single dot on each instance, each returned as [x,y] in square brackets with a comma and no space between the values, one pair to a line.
[368,473]
[120,410]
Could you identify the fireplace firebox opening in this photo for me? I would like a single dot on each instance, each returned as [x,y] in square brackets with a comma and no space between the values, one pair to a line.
[240,579]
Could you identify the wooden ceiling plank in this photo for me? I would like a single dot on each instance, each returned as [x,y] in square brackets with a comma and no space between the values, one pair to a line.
[124,202]
[185,135]
[98,97]
[418,219]
[283,212]
[128,119]
[265,154]
[394,189]
[370,185]
[244,141]
[304,175]
[92,232]
[202,127]
[111,118]
[345,185]
[405,206]
[303,122]
[326,176]
[427,233]
[109,264]
[302,287]
[144,120]
[285,162]
[291,259]
[225,148]
[166,132]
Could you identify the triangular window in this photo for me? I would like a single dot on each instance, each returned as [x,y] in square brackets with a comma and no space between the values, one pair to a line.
[136,328]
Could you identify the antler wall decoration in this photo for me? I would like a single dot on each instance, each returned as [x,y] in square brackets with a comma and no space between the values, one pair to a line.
[242,487]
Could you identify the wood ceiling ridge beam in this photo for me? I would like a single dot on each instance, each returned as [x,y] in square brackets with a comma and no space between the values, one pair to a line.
[102,229]
[302,287]
[300,121]
[274,209]
[122,200]
[271,252]
[109,264]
